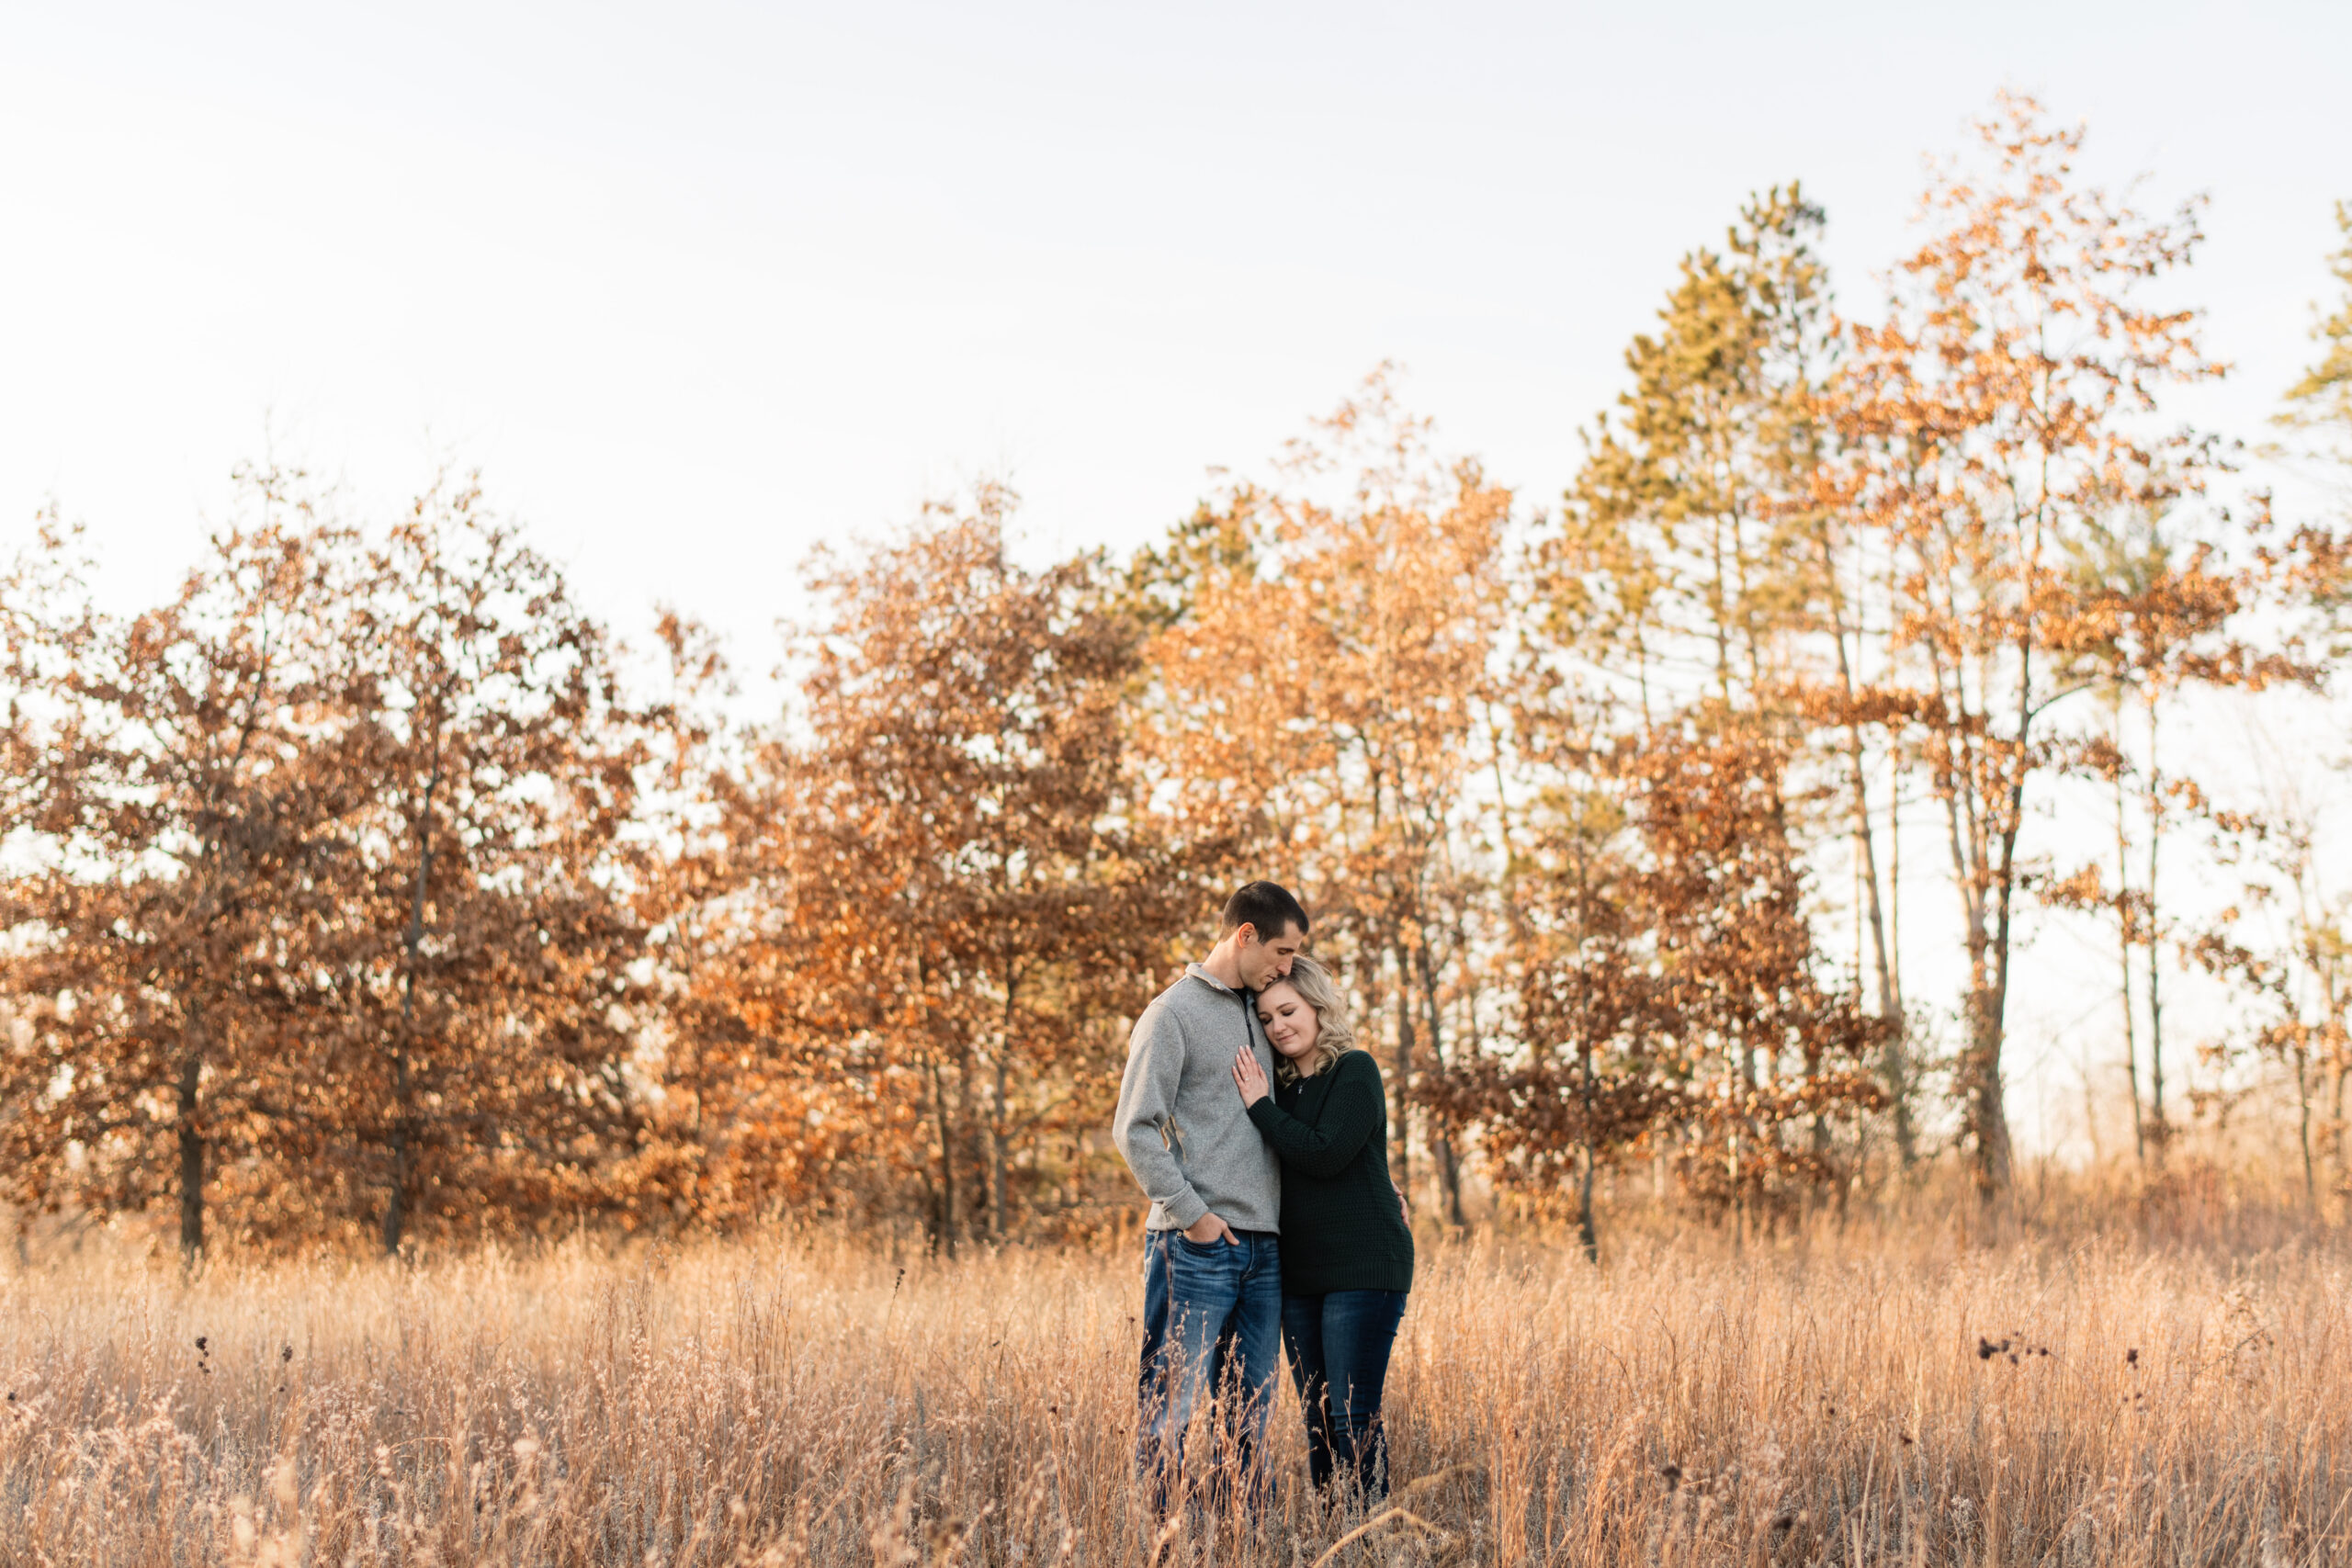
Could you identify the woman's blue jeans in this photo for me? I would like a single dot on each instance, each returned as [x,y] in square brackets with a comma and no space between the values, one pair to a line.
[1338,1348]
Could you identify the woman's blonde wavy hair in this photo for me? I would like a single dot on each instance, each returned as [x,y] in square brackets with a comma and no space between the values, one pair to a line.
[1333,1037]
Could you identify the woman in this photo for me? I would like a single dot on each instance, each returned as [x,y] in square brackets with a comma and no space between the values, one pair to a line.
[1347,1254]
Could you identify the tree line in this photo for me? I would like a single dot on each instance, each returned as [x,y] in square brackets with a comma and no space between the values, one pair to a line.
[368,890]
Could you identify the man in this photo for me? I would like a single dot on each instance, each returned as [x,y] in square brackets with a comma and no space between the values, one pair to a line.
[1213,1292]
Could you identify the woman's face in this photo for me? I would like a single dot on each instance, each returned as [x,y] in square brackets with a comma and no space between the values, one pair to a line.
[1290,1024]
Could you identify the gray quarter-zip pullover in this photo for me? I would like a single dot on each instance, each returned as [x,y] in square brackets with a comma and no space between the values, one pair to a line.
[1181,1123]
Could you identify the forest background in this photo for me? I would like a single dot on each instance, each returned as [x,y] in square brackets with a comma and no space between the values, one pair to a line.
[368,890]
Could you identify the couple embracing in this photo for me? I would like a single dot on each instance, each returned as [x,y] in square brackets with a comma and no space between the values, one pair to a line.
[1260,1132]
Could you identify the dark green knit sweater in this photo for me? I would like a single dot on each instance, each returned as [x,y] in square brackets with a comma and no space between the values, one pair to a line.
[1343,1226]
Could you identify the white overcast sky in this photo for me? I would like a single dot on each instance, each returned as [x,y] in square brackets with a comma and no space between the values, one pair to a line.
[699,286]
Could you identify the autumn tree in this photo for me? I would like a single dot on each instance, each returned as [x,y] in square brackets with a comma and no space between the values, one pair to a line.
[693,853]
[1680,555]
[1776,1065]
[1318,688]
[2315,564]
[2302,988]
[181,790]
[1578,1092]
[2320,402]
[1999,413]
[787,1070]
[2157,609]
[1672,996]
[481,1064]
[2305,980]
[957,912]
[1689,564]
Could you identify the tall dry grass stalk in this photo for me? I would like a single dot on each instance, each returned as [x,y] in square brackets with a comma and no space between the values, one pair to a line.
[1883,1401]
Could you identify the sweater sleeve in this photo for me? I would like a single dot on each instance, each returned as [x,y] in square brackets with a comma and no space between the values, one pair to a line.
[1143,1127]
[1349,1118]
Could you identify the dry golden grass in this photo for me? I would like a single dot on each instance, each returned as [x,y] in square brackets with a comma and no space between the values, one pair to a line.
[1836,1402]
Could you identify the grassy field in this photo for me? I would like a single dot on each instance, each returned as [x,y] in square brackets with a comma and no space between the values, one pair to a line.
[1913,1395]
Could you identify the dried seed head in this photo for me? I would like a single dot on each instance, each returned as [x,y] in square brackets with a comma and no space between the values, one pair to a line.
[240,1523]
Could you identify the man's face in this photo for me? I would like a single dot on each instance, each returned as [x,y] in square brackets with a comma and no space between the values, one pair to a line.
[1263,963]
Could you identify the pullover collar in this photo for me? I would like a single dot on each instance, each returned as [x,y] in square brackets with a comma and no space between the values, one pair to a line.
[1200,972]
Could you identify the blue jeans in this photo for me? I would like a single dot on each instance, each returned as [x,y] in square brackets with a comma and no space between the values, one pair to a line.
[1339,1360]
[1211,1319]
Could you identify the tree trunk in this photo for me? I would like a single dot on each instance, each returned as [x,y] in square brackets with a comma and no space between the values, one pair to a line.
[2332,1014]
[1718,613]
[1985,1108]
[946,1158]
[2303,1125]
[1587,1233]
[1402,1099]
[1984,1116]
[1890,998]
[2161,1128]
[1906,1145]
[998,1142]
[191,1141]
[2126,929]
[998,1124]
[412,943]
[1449,1168]
[2335,1120]
[396,1199]
[1988,1109]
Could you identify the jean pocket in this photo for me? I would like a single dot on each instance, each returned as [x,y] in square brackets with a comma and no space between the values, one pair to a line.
[1207,1251]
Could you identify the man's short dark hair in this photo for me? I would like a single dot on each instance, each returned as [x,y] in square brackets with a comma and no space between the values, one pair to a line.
[1267,906]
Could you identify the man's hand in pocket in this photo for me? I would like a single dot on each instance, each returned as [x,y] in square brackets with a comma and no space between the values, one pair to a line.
[1209,1228]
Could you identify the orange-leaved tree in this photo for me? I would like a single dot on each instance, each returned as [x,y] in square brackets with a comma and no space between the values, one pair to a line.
[1317,694]
[489,970]
[1692,570]
[1776,1064]
[2002,411]
[1576,1091]
[1671,996]
[181,792]
[944,909]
